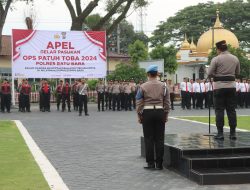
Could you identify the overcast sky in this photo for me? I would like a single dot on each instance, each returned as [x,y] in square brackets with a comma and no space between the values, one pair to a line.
[55,16]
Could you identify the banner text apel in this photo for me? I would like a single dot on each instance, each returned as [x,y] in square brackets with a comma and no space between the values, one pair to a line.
[53,54]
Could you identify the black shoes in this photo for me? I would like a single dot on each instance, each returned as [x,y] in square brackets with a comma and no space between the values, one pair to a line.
[232,136]
[86,114]
[219,136]
[150,167]
[157,166]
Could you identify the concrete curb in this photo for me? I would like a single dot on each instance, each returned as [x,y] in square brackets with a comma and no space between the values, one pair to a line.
[49,172]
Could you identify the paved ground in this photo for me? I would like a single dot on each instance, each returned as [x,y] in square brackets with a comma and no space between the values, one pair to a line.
[102,151]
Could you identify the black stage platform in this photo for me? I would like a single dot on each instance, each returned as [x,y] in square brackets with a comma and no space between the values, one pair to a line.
[207,161]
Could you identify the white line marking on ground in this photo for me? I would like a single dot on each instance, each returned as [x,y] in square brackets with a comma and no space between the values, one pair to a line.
[49,172]
[181,119]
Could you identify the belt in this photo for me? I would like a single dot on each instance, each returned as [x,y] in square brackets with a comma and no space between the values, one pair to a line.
[152,107]
[224,78]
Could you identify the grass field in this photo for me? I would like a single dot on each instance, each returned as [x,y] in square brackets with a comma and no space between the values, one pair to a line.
[243,122]
[18,169]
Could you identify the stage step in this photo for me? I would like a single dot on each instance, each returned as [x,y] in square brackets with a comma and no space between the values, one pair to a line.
[213,176]
[206,160]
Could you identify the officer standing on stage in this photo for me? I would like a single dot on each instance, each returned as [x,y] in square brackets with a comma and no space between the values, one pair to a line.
[100,89]
[25,98]
[223,69]
[153,105]
[59,94]
[83,97]
[5,96]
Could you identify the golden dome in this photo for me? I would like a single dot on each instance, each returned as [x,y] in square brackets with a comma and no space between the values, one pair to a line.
[205,41]
[178,55]
[185,44]
[193,46]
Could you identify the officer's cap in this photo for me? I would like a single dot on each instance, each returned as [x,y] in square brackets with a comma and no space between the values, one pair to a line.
[152,68]
[221,44]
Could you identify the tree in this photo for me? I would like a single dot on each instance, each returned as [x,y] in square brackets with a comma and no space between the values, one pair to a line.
[4,8]
[125,71]
[116,10]
[127,36]
[138,51]
[169,56]
[194,20]
[244,62]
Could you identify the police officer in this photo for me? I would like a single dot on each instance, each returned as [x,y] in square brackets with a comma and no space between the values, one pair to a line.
[171,91]
[223,69]
[153,105]
[59,94]
[116,90]
[75,94]
[5,96]
[127,93]
[45,96]
[100,89]
[110,95]
[133,93]
[25,92]
[66,90]
[83,97]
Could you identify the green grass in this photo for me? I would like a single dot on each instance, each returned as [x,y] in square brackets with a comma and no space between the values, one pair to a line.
[18,169]
[243,122]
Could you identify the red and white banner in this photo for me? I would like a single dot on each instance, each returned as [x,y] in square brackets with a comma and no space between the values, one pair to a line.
[53,54]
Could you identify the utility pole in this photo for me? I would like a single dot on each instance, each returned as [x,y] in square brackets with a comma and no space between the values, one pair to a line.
[118,39]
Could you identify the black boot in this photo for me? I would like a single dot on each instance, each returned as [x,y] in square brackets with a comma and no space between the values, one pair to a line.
[232,135]
[150,166]
[159,166]
[219,135]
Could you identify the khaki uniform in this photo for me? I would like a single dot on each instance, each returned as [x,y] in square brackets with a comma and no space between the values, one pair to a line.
[153,105]
[128,91]
[100,88]
[223,68]
[172,95]
[116,90]
[83,98]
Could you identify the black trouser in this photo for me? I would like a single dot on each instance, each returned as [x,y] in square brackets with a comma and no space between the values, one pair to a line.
[83,101]
[5,102]
[116,101]
[127,101]
[100,99]
[65,97]
[133,99]
[75,101]
[243,99]
[225,98]
[205,96]
[185,99]
[238,98]
[110,97]
[58,100]
[45,101]
[40,101]
[106,99]
[172,95]
[199,102]
[20,101]
[154,132]
[248,99]
[193,99]
[25,102]
[122,99]
[210,98]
